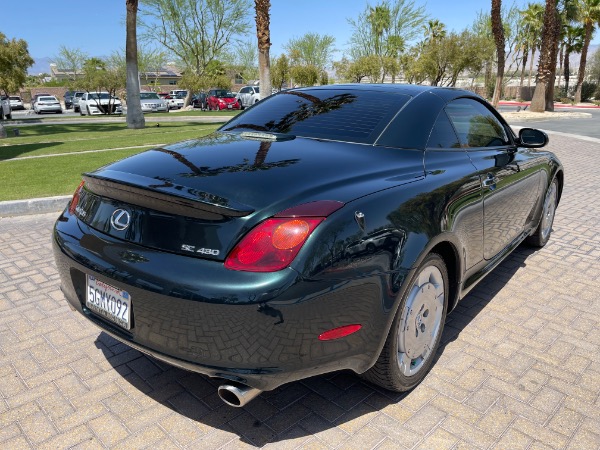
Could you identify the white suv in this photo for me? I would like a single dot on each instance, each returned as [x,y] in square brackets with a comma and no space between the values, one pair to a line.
[248,96]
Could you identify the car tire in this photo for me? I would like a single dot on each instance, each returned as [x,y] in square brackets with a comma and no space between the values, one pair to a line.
[9,116]
[416,332]
[541,235]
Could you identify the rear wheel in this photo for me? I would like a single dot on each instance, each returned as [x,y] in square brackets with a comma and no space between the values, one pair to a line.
[416,332]
[542,234]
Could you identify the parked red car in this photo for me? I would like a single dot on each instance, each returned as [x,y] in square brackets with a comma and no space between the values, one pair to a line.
[219,99]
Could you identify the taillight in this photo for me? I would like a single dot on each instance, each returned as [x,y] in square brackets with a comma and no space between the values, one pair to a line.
[273,244]
[75,199]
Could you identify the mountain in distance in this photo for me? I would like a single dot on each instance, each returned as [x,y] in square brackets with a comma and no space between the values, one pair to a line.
[40,65]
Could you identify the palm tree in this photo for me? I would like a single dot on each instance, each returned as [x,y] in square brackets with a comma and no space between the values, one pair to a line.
[380,19]
[551,23]
[135,117]
[434,30]
[589,16]
[498,32]
[532,20]
[572,42]
[263,33]
[566,12]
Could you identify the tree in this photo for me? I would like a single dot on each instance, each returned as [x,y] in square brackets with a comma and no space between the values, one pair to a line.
[71,61]
[551,24]
[312,49]
[355,71]
[384,31]
[263,33]
[98,76]
[498,32]
[573,37]
[14,62]
[434,29]
[532,22]
[305,74]
[244,61]
[280,72]
[135,116]
[589,16]
[197,32]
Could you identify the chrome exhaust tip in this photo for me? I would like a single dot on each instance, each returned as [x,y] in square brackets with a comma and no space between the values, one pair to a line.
[237,395]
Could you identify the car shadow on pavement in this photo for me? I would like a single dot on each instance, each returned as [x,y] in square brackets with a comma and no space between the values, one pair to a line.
[297,409]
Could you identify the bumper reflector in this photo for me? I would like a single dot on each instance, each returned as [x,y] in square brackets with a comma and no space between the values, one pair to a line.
[339,332]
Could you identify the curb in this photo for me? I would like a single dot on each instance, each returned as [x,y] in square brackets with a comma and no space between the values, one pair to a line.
[33,206]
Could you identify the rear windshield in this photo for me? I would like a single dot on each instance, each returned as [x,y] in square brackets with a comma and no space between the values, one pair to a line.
[336,114]
[99,96]
[149,96]
[47,99]
[224,94]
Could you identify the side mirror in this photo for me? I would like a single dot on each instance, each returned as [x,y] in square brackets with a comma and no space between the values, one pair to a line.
[532,138]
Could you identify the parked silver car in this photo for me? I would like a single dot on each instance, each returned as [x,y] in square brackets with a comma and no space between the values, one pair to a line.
[5,111]
[248,96]
[75,100]
[47,104]
[151,102]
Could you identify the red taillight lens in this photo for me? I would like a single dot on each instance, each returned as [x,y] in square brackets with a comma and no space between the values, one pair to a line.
[272,245]
[75,199]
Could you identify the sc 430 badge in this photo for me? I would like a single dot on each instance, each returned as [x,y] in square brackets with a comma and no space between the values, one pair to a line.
[203,251]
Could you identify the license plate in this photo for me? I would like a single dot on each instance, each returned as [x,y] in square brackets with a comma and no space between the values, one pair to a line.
[229,106]
[108,301]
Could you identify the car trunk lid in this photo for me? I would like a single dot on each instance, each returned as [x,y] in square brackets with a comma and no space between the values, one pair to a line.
[199,197]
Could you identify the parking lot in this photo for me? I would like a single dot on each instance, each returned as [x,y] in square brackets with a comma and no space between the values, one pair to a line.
[519,366]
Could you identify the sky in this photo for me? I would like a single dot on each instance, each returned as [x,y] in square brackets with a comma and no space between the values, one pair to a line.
[97,27]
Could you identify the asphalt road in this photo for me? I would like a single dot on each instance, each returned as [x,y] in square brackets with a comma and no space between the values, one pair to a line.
[582,127]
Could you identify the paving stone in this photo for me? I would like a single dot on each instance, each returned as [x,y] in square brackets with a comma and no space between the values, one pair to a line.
[519,366]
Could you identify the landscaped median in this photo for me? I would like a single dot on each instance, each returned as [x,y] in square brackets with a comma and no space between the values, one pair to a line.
[48,160]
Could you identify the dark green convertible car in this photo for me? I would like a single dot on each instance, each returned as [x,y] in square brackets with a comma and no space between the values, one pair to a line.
[321,229]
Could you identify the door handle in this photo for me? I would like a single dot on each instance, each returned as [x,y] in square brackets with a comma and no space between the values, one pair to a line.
[490,181]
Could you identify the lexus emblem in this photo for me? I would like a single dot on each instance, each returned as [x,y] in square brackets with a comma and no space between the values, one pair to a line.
[120,219]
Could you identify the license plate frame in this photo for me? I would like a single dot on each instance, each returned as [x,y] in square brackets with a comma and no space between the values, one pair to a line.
[109,302]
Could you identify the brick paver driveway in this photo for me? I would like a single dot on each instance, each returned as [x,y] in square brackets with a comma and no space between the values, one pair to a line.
[519,366]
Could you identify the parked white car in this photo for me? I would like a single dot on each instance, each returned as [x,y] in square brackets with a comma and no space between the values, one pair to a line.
[47,103]
[95,103]
[16,102]
[5,111]
[248,96]
[151,102]
[175,102]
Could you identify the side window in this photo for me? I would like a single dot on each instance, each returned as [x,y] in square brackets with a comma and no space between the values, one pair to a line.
[475,124]
[442,134]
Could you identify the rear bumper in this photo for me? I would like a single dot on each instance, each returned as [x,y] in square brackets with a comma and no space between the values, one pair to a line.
[258,329]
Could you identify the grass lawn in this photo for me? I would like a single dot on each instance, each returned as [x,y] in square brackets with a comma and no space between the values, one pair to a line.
[149,116]
[22,178]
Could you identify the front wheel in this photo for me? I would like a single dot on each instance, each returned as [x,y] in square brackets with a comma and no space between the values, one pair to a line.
[416,332]
[542,233]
